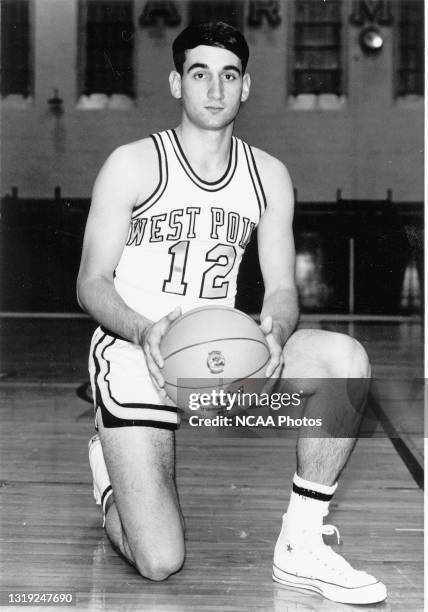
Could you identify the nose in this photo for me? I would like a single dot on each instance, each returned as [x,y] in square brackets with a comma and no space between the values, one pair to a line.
[215,91]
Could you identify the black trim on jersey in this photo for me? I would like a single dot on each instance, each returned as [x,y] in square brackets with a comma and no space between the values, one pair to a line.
[186,161]
[253,180]
[163,179]
[258,178]
[205,185]
[110,421]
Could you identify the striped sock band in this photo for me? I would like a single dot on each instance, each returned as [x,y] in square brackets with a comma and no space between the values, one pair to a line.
[313,490]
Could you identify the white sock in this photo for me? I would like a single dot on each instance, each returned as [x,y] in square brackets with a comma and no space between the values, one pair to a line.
[307,508]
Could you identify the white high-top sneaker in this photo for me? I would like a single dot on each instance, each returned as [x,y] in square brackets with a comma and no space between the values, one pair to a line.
[312,565]
[102,486]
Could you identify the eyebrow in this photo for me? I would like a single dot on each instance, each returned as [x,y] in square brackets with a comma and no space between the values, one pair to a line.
[199,65]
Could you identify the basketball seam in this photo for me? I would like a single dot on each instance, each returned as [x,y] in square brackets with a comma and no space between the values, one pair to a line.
[188,346]
[216,307]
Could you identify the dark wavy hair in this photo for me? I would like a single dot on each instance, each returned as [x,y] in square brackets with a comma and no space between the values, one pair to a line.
[212,34]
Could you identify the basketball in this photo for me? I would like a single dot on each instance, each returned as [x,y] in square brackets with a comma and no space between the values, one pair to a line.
[213,349]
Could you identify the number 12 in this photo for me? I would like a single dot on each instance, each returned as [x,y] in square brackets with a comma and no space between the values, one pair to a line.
[213,285]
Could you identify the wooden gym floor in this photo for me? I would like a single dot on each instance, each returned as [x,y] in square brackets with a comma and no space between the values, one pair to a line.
[233,490]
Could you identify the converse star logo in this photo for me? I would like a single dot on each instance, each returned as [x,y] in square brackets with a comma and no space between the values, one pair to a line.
[289,548]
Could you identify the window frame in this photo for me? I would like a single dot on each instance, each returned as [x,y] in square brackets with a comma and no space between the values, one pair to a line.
[291,54]
[82,90]
[397,66]
[241,10]
[29,96]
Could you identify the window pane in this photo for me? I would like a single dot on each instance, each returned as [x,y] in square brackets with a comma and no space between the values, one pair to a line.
[316,11]
[410,47]
[15,47]
[317,47]
[109,47]
[230,12]
[317,34]
[315,59]
[317,82]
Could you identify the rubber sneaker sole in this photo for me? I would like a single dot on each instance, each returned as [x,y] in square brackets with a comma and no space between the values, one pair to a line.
[367,594]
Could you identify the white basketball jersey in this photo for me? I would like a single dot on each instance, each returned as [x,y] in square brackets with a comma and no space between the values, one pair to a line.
[187,239]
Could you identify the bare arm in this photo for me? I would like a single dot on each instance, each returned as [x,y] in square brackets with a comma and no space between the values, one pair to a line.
[114,195]
[118,187]
[277,257]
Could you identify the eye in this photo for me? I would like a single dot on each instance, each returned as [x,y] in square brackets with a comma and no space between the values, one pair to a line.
[228,76]
[199,75]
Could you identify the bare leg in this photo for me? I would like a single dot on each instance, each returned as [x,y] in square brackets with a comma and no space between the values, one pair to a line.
[333,371]
[144,521]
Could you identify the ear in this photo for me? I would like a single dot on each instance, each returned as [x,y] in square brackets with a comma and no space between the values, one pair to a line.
[175,84]
[246,84]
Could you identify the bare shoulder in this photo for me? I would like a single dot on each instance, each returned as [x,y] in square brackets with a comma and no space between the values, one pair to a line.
[274,176]
[270,167]
[139,156]
[135,164]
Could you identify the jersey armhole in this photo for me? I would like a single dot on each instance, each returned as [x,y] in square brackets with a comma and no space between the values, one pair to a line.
[163,178]
[255,178]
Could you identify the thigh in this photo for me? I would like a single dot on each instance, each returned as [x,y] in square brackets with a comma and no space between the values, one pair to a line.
[141,465]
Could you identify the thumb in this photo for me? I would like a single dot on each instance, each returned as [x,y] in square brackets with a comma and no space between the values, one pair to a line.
[174,314]
[266,325]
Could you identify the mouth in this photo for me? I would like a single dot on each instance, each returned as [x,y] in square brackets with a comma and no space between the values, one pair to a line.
[214,109]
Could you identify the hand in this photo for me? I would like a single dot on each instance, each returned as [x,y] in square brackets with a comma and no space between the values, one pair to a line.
[276,362]
[150,341]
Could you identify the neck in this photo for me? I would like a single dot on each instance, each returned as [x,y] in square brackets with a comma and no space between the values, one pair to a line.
[206,150]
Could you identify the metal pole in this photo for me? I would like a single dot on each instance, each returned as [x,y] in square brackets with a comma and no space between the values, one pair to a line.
[351,276]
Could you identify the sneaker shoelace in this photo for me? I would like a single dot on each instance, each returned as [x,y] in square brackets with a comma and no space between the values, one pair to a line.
[328,557]
[329,530]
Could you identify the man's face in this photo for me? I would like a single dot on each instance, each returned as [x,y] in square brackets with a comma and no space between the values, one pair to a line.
[211,87]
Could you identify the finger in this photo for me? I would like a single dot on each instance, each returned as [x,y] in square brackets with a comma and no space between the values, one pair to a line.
[161,391]
[271,368]
[275,354]
[155,352]
[278,370]
[266,325]
[174,314]
[158,331]
[269,386]
[154,370]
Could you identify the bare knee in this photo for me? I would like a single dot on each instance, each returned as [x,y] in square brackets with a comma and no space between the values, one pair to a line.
[160,564]
[351,357]
[327,354]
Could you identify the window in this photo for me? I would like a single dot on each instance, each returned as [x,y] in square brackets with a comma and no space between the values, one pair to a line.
[15,48]
[205,10]
[317,62]
[107,47]
[410,77]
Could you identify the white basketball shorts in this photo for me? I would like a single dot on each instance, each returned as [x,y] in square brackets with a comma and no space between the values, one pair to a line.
[123,391]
